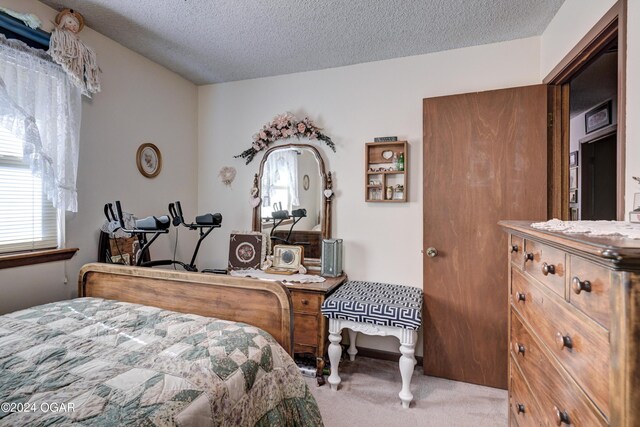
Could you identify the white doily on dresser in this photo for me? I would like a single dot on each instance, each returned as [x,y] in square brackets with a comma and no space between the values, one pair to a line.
[259,274]
[594,228]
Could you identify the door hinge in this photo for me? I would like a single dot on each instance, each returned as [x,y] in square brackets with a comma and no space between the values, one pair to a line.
[550,119]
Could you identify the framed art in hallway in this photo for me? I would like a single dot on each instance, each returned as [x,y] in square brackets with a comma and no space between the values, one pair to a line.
[573,196]
[573,159]
[573,178]
[598,117]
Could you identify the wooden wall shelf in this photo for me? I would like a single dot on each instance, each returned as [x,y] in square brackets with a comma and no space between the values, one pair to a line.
[382,170]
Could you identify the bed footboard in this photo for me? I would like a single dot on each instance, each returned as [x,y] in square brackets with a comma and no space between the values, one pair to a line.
[264,304]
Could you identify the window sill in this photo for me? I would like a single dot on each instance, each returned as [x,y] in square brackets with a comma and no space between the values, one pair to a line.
[38,257]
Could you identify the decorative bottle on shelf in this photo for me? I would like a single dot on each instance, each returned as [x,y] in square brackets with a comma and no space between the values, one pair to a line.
[400,162]
[394,166]
[389,193]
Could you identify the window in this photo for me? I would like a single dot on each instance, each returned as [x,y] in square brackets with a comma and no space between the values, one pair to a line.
[28,221]
[280,182]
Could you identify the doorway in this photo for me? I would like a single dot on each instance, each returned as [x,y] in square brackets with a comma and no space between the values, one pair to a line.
[592,80]
[593,168]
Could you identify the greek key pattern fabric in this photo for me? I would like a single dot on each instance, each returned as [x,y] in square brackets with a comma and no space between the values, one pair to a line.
[113,363]
[378,303]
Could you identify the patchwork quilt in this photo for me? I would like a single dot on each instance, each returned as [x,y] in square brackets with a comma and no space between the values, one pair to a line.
[96,362]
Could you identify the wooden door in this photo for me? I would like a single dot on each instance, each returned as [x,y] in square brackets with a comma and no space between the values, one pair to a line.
[485,159]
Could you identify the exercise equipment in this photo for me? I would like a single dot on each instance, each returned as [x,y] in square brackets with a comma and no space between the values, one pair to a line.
[157,225]
[282,215]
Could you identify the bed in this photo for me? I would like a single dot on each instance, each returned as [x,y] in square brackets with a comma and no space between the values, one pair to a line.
[156,348]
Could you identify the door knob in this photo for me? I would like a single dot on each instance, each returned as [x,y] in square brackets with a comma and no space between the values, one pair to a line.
[432,252]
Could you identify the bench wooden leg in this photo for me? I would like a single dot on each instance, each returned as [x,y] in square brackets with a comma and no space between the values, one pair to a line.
[407,363]
[352,351]
[335,351]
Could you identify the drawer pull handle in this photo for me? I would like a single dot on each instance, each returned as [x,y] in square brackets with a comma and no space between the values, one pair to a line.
[548,268]
[561,416]
[514,249]
[521,296]
[563,341]
[304,301]
[518,348]
[520,408]
[528,256]
[579,286]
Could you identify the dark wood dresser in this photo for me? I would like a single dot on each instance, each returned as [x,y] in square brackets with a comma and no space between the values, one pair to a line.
[574,328]
[310,331]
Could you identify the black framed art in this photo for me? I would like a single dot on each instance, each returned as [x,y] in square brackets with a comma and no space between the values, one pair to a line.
[598,117]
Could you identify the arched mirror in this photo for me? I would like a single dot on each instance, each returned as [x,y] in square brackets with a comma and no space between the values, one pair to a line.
[294,208]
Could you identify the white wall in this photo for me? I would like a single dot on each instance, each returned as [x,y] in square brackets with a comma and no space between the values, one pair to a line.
[572,22]
[140,102]
[353,104]
[633,101]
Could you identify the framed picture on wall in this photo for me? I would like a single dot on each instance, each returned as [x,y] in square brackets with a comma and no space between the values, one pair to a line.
[573,196]
[573,178]
[598,117]
[573,159]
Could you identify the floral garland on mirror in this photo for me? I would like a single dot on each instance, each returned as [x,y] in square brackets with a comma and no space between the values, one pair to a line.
[281,127]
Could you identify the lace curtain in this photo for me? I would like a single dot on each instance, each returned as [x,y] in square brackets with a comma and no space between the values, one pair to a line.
[43,108]
[281,171]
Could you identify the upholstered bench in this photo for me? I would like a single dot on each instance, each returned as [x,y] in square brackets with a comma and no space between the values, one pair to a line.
[375,309]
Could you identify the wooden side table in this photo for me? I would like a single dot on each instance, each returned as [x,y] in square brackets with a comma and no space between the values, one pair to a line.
[310,330]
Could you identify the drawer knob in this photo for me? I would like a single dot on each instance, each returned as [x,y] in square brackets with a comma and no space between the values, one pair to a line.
[579,286]
[305,302]
[561,416]
[521,296]
[518,348]
[548,268]
[563,341]
[520,408]
[514,248]
[528,256]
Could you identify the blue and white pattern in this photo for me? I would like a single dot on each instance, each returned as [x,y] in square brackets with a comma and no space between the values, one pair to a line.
[377,303]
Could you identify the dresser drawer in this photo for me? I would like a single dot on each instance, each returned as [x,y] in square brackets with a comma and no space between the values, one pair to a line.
[306,301]
[305,329]
[516,250]
[590,285]
[546,264]
[524,408]
[557,395]
[580,344]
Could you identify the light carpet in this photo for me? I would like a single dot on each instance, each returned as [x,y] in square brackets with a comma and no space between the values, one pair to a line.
[368,396]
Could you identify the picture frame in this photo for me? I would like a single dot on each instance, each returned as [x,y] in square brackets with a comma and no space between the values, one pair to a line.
[247,250]
[573,214]
[573,159]
[287,259]
[573,178]
[598,117]
[573,196]
[149,160]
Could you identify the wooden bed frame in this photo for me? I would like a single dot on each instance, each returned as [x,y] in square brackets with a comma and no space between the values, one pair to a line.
[264,304]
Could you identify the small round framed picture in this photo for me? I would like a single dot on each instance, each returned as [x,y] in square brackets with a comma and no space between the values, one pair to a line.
[149,160]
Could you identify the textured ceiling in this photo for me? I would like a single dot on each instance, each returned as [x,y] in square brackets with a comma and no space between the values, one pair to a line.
[212,41]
